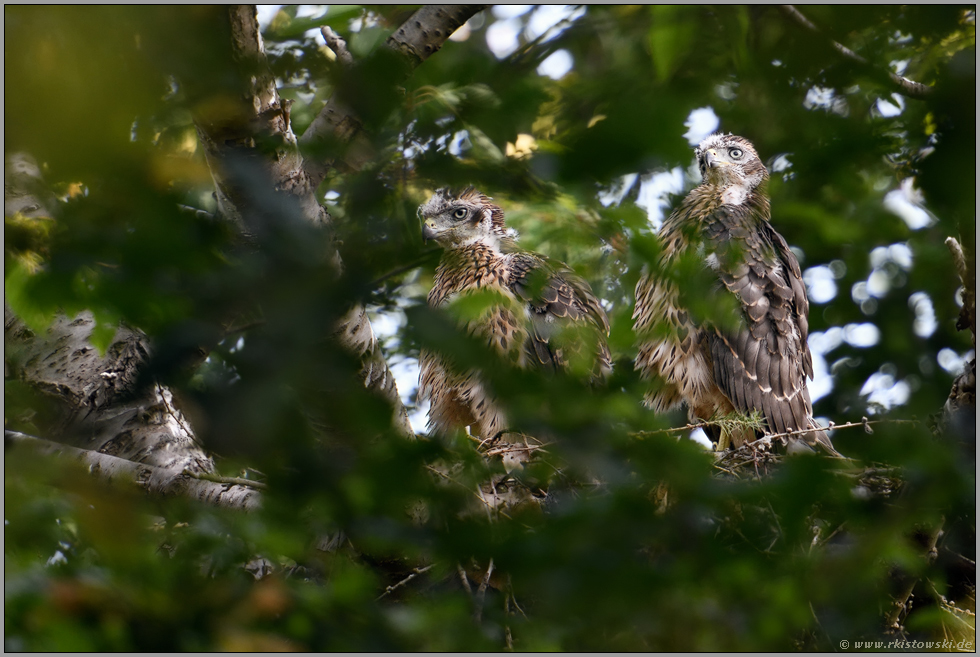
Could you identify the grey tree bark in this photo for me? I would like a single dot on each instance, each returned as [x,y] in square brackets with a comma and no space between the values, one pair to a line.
[99,407]
[140,433]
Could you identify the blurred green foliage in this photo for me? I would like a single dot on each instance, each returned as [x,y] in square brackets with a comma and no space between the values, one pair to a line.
[666,554]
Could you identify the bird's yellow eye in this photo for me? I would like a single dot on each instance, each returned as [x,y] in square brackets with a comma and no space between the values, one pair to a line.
[735,153]
[460,213]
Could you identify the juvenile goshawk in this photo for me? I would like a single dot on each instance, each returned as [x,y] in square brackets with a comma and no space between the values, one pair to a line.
[536,313]
[758,358]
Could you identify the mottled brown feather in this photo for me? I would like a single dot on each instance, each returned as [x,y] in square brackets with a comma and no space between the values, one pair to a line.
[763,363]
[539,299]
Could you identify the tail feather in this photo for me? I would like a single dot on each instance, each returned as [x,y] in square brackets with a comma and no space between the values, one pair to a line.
[820,438]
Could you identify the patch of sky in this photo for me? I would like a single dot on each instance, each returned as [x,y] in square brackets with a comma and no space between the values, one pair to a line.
[266,13]
[924,323]
[700,123]
[655,191]
[548,21]
[700,437]
[820,284]
[556,65]
[890,107]
[502,37]
[826,98]
[953,362]
[906,202]
[387,324]
[883,391]
[461,142]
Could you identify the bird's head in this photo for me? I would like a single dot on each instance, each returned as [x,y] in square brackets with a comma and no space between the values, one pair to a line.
[457,218]
[730,161]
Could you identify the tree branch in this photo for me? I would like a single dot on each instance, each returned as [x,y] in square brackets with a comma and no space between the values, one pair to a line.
[100,406]
[902,85]
[165,482]
[901,602]
[417,39]
[262,117]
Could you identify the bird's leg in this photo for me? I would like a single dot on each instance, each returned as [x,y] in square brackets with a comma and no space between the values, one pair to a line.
[724,440]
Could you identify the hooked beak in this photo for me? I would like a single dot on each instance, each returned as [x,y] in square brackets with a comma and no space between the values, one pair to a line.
[429,231]
[712,160]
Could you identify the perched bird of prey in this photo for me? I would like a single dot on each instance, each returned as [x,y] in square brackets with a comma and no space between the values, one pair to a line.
[536,313]
[756,357]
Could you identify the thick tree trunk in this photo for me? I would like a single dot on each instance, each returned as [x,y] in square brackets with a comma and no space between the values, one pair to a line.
[264,118]
[100,407]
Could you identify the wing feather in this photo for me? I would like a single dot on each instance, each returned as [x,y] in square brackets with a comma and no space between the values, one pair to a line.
[764,364]
[557,298]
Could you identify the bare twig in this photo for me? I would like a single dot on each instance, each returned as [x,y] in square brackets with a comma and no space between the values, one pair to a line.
[464,579]
[768,438]
[458,483]
[234,481]
[419,37]
[337,44]
[901,602]
[426,256]
[481,592]
[415,573]
[902,85]
[968,314]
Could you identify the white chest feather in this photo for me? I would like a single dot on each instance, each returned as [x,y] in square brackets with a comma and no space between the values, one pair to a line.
[734,195]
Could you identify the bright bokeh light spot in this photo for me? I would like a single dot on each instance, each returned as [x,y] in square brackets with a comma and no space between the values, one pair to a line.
[820,284]
[781,163]
[700,123]
[510,11]
[546,17]
[825,98]
[951,361]
[882,388]
[701,438]
[925,323]
[614,194]
[906,202]
[899,253]
[862,335]
[822,382]
[557,65]
[502,37]
[266,13]
[823,342]
[655,191]
[879,282]
[888,109]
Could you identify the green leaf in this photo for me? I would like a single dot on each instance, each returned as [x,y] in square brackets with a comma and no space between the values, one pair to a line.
[671,37]
[17,291]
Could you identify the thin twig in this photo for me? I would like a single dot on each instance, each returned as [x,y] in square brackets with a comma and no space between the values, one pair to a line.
[415,573]
[464,579]
[766,439]
[904,86]
[233,481]
[418,262]
[458,483]
[901,602]
[481,592]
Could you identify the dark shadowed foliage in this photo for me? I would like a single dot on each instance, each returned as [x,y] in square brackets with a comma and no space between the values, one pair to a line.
[581,133]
